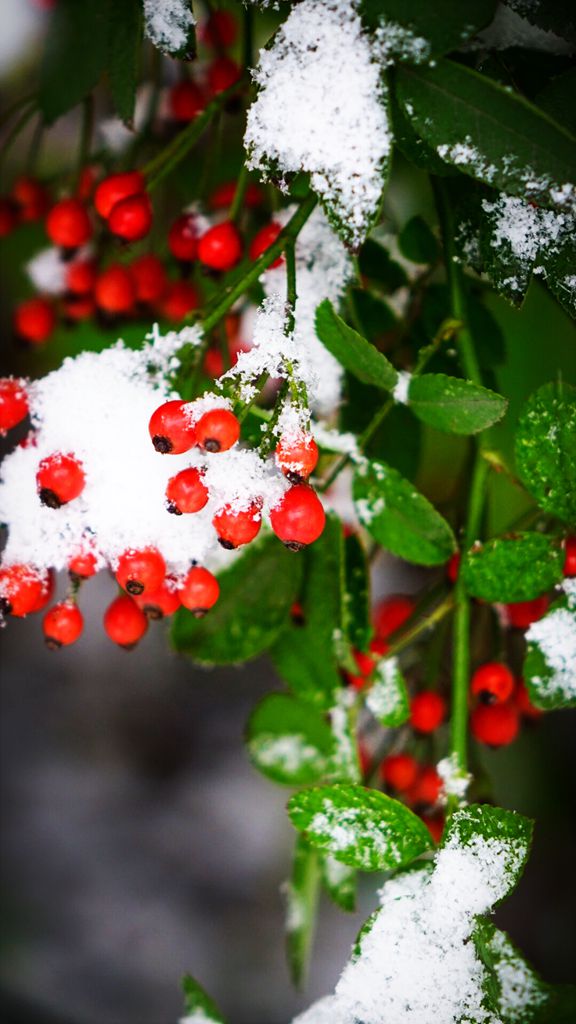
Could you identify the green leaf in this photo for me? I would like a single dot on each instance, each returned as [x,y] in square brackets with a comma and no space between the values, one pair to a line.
[197,1002]
[360,827]
[417,242]
[454,405]
[172,30]
[545,447]
[511,831]
[373,314]
[256,594]
[414,32]
[387,697]
[339,881]
[555,99]
[550,663]
[124,45]
[357,605]
[302,893]
[412,146]
[399,518]
[552,15]
[376,263]
[510,569]
[288,741]
[489,132]
[352,351]
[516,991]
[74,56]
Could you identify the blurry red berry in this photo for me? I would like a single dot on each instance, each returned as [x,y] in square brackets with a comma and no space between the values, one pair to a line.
[570,559]
[124,622]
[522,614]
[180,299]
[9,216]
[453,567]
[523,702]
[220,30]
[399,771]
[235,528]
[131,218]
[47,588]
[62,625]
[115,188]
[427,711]
[297,456]
[78,307]
[81,277]
[217,430]
[21,589]
[68,224]
[186,492]
[140,571]
[83,564]
[149,278]
[263,240]
[13,403]
[435,826]
[494,724]
[298,519]
[220,248]
[86,183]
[160,603]
[493,683]
[114,290]
[199,591]
[171,428]
[34,320]
[224,194]
[59,479]
[222,73]
[183,238]
[185,101]
[427,787]
[31,198]
[392,612]
[214,363]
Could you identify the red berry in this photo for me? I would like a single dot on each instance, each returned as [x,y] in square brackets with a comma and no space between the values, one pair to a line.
[68,224]
[523,702]
[115,188]
[435,826]
[164,601]
[399,771]
[522,614]
[298,518]
[34,320]
[217,430]
[149,278]
[392,612]
[570,560]
[220,248]
[366,663]
[83,564]
[297,456]
[185,101]
[183,238]
[427,711]
[140,571]
[31,198]
[200,591]
[453,567]
[86,183]
[214,363]
[22,588]
[220,31]
[62,625]
[224,194]
[235,528]
[9,216]
[263,240]
[124,622]
[494,724]
[493,683]
[186,492]
[13,403]
[180,299]
[171,428]
[222,73]
[60,479]
[78,307]
[114,291]
[131,218]
[47,588]
[427,788]
[81,277]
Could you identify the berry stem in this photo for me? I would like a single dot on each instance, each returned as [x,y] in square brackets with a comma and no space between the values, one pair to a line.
[241,186]
[86,129]
[291,295]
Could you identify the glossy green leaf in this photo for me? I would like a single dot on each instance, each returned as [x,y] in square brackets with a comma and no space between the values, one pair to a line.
[376,263]
[357,613]
[75,55]
[387,697]
[339,881]
[361,827]
[399,518]
[550,662]
[511,831]
[454,405]
[198,1004]
[123,63]
[288,741]
[510,569]
[556,16]
[546,447]
[352,351]
[516,991]
[301,892]
[557,96]
[417,242]
[413,31]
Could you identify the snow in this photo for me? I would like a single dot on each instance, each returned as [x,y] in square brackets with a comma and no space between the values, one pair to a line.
[455,781]
[309,116]
[167,23]
[47,271]
[386,697]
[288,753]
[529,233]
[345,757]
[555,637]
[509,28]
[396,43]
[402,387]
[519,987]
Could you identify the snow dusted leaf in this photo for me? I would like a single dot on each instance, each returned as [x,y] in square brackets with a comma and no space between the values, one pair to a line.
[388,695]
[417,242]
[400,518]
[256,594]
[360,827]
[288,741]
[301,894]
[489,132]
[516,568]
[507,832]
[352,351]
[555,98]
[198,1006]
[412,31]
[454,405]
[339,881]
[517,993]
[310,117]
[74,56]
[551,15]
[550,663]
[169,25]
[545,446]
[410,143]
[357,594]
[124,45]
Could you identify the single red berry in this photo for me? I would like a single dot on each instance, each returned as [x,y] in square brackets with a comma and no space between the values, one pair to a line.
[131,218]
[78,307]
[224,194]
[297,456]
[297,614]
[523,702]
[399,771]
[21,589]
[81,277]
[522,614]
[263,240]
[83,564]
[453,567]
[9,216]
[140,571]
[62,625]
[214,363]
[171,428]
[164,601]
[60,479]
[13,403]
[185,101]
[426,789]
[391,613]
[115,188]
[427,711]
[34,320]
[149,278]
[298,518]
[220,30]
[186,492]
[435,825]
[235,528]
[124,622]
[31,198]
[86,183]
[366,663]
[217,430]
[68,224]
[495,724]
[114,291]
[570,560]
[183,238]
[199,591]
[222,73]
[220,248]
[492,683]
[180,299]
[47,588]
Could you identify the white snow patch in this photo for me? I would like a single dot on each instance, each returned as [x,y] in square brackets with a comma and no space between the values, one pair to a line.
[455,781]
[168,22]
[402,388]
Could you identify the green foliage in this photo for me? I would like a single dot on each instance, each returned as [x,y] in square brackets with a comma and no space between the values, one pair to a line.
[197,1002]
[516,568]
[124,45]
[339,881]
[443,25]
[545,447]
[352,350]
[288,741]
[357,594]
[516,992]
[550,667]
[301,893]
[376,264]
[510,829]
[388,695]
[417,242]
[75,55]
[454,405]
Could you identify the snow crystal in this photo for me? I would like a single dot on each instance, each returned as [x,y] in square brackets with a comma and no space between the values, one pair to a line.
[395,42]
[400,392]
[287,753]
[311,116]
[335,441]
[526,230]
[466,155]
[168,22]
[345,756]
[386,696]
[455,781]
[519,987]
[555,637]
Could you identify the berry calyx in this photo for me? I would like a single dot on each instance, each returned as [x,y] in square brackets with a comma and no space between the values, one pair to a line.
[263,240]
[492,683]
[298,519]
[185,101]
[140,571]
[217,430]
[220,248]
[522,614]
[180,299]
[391,613]
[183,238]
[34,320]
[222,73]
[60,479]
[199,591]
[149,279]
[186,492]
[13,403]
[68,224]
[124,622]
[114,291]
[496,725]
[115,188]
[131,218]
[157,604]
[22,588]
[235,528]
[297,457]
[427,711]
[171,428]
[62,625]
[399,771]
[570,559]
